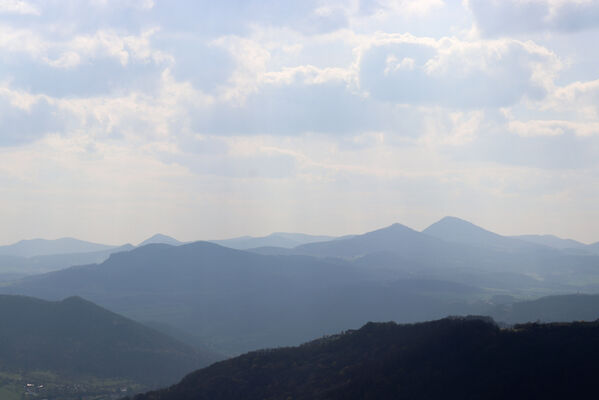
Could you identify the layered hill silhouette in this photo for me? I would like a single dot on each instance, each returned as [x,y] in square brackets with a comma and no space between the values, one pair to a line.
[235,301]
[23,266]
[453,358]
[458,250]
[36,256]
[277,239]
[77,338]
[41,247]
[398,238]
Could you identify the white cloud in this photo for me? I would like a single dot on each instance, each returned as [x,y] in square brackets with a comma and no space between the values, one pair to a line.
[393,64]
[534,128]
[483,73]
[110,44]
[410,7]
[18,7]
[579,95]
[20,40]
[140,4]
[68,53]
[252,61]
[508,17]
[399,7]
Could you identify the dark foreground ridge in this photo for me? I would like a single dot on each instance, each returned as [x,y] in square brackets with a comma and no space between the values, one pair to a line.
[452,358]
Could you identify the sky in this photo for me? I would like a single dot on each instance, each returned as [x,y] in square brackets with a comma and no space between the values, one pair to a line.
[204,120]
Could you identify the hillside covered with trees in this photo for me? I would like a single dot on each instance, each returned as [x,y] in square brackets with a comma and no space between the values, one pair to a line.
[452,358]
[77,343]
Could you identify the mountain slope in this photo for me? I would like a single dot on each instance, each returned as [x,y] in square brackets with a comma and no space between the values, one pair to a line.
[235,301]
[464,358]
[563,308]
[51,262]
[552,241]
[505,264]
[159,238]
[397,237]
[39,247]
[594,247]
[78,338]
[277,239]
[455,230]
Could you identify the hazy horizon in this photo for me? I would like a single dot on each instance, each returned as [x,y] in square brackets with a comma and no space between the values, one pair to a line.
[187,240]
[204,120]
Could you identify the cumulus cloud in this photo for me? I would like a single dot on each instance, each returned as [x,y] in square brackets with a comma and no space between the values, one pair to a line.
[25,118]
[101,62]
[140,4]
[18,7]
[409,7]
[411,70]
[506,17]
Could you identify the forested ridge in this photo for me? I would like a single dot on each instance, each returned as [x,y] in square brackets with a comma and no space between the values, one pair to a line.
[452,358]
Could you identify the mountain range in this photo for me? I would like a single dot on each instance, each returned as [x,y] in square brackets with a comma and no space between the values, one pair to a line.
[29,257]
[36,256]
[234,301]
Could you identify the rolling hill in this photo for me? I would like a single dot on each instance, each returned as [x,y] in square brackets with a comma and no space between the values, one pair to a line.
[23,266]
[41,247]
[237,301]
[77,338]
[277,239]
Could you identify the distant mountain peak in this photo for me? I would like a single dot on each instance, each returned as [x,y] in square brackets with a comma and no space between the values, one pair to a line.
[395,227]
[450,219]
[453,223]
[456,230]
[161,238]
[395,237]
[398,225]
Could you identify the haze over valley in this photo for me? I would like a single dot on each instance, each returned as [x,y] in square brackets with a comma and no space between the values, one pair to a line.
[234,301]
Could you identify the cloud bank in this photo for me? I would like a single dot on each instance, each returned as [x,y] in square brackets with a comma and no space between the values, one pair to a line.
[204,119]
